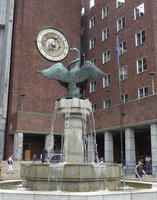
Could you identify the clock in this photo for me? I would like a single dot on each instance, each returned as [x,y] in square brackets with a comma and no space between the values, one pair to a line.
[52,44]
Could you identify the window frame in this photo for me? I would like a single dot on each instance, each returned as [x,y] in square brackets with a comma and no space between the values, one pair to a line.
[141,38]
[122,50]
[92,22]
[123,97]
[143,92]
[142,67]
[135,13]
[105,102]
[92,86]
[107,59]
[92,42]
[107,82]
[122,24]
[91,3]
[105,12]
[105,32]
[119,4]
[122,72]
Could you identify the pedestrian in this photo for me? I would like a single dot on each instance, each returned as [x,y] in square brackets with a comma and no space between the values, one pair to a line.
[10,164]
[139,171]
[148,163]
[43,156]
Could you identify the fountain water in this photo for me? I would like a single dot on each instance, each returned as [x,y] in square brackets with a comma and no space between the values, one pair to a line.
[75,173]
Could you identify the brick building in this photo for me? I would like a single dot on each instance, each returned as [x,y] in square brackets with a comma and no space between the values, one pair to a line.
[135,24]
[31,96]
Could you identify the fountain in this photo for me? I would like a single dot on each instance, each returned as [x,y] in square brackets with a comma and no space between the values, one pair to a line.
[77,172]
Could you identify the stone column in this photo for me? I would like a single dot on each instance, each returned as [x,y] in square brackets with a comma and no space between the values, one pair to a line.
[90,148]
[153,130]
[18,146]
[130,157]
[108,141]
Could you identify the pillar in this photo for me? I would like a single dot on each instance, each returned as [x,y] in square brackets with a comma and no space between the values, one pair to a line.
[153,131]
[130,149]
[108,141]
[18,146]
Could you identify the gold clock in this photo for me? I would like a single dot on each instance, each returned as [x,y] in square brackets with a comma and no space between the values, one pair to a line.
[52,44]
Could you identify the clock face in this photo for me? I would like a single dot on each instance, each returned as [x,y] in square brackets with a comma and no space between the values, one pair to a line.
[52,44]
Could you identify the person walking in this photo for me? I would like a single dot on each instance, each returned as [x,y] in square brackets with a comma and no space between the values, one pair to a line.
[139,171]
[10,164]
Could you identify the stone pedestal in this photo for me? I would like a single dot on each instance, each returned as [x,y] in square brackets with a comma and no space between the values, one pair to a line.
[73,109]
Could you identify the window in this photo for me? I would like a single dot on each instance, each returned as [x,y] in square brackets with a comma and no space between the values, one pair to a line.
[139,11]
[92,86]
[121,23]
[142,65]
[140,37]
[94,107]
[106,56]
[105,34]
[123,48]
[93,61]
[92,22]
[92,43]
[124,97]
[143,92]
[91,3]
[107,103]
[105,12]
[119,3]
[123,73]
[106,80]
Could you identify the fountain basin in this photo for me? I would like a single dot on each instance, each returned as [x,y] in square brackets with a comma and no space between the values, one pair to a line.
[71,177]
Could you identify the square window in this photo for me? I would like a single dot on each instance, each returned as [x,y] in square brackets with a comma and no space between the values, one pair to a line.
[123,48]
[92,86]
[119,3]
[92,43]
[143,92]
[124,97]
[140,37]
[94,107]
[121,23]
[139,11]
[123,73]
[91,3]
[106,56]
[142,65]
[105,12]
[106,80]
[105,34]
[92,22]
[107,103]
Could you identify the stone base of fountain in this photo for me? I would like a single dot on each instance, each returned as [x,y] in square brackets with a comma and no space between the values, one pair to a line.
[75,175]
[71,177]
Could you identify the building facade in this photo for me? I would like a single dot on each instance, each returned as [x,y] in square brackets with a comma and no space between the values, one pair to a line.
[32,96]
[132,85]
